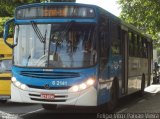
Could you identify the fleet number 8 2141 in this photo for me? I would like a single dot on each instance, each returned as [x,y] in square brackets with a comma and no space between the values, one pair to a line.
[59,83]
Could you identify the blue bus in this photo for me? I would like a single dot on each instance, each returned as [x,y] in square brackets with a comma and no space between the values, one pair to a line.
[76,54]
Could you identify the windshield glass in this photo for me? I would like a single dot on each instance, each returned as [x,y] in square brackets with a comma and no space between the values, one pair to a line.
[55,45]
[5,65]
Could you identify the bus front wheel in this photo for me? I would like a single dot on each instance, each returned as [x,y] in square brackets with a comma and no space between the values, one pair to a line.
[49,107]
[3,101]
[114,96]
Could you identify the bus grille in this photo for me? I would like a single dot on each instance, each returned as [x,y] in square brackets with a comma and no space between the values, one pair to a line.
[43,100]
[50,88]
[57,98]
[49,74]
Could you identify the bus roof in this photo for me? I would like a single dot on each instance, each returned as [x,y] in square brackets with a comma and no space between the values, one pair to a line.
[110,15]
[54,3]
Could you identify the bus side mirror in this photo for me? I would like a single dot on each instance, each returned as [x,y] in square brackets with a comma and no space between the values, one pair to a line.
[6,32]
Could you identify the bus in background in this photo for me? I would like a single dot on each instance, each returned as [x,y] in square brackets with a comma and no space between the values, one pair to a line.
[5,70]
[76,54]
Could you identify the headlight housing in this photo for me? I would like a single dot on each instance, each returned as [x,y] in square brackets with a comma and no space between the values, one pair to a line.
[18,84]
[83,86]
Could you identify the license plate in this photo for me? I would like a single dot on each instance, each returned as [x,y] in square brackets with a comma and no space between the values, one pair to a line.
[47,96]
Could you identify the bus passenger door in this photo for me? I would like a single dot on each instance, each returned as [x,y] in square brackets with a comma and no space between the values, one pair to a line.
[124,39]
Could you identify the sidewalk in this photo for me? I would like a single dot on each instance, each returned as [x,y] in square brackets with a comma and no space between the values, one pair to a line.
[149,104]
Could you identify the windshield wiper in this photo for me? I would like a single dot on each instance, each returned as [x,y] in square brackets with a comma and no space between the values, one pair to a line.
[28,59]
[38,32]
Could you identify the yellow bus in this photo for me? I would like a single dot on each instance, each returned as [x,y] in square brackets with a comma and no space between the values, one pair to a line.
[5,70]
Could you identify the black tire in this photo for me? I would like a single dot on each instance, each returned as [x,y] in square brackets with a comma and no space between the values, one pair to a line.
[49,107]
[3,101]
[154,80]
[111,105]
[143,84]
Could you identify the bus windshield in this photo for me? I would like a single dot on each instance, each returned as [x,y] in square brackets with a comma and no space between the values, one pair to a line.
[5,65]
[57,45]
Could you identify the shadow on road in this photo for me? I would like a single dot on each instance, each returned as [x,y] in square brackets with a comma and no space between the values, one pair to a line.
[51,115]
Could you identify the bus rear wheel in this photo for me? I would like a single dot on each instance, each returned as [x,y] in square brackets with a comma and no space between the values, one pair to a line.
[49,107]
[3,101]
[143,84]
[111,105]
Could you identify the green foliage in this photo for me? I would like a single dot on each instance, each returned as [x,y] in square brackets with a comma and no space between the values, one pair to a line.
[7,7]
[144,14]
[63,0]
[2,22]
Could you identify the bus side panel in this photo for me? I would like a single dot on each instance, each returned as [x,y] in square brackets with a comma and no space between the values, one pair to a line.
[137,67]
[111,71]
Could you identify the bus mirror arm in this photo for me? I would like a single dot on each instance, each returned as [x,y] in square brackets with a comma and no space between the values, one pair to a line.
[6,33]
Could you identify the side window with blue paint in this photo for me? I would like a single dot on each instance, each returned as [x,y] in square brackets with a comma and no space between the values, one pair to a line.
[104,41]
[115,39]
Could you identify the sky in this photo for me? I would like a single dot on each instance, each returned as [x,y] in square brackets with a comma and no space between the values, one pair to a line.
[109,5]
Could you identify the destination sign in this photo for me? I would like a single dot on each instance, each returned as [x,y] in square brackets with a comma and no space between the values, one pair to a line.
[51,11]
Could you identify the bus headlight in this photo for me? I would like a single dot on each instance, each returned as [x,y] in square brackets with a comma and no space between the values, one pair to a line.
[82,86]
[13,79]
[18,84]
[75,88]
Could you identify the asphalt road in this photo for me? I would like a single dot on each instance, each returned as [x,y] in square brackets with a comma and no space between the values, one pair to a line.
[30,111]
[149,103]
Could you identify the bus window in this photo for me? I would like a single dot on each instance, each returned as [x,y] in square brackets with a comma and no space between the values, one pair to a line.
[104,41]
[131,44]
[135,45]
[74,46]
[138,46]
[115,39]
[147,48]
[144,48]
[5,66]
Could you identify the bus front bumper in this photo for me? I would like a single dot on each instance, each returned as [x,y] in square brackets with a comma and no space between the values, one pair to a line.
[87,97]
[5,97]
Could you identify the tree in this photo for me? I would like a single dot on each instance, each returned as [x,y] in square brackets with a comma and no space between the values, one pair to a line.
[7,7]
[144,14]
